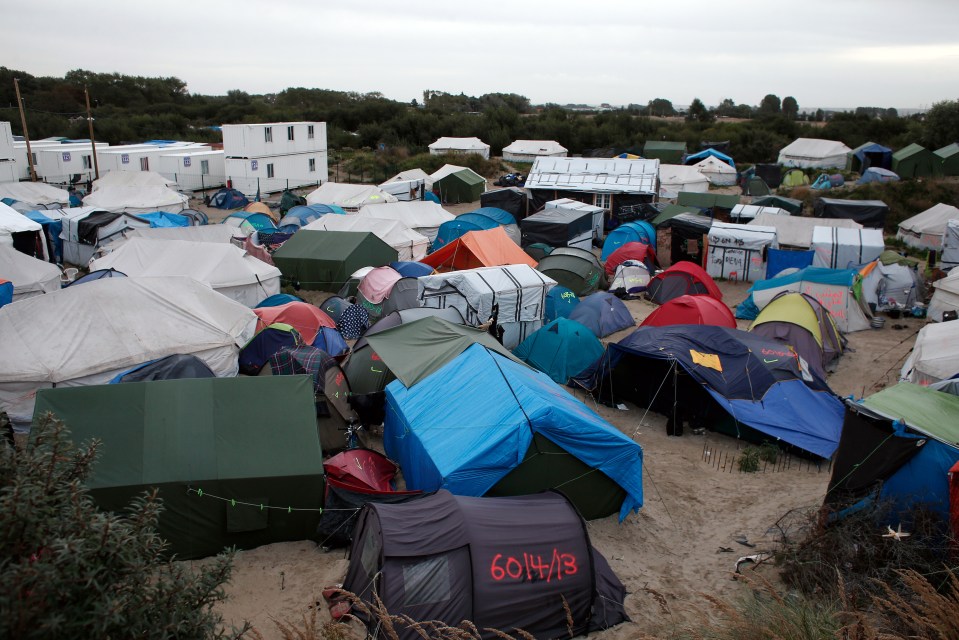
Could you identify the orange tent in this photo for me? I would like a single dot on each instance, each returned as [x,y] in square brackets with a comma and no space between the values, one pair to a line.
[302,316]
[260,207]
[489,248]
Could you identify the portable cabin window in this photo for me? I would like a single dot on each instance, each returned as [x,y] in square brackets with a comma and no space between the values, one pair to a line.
[144,164]
[309,132]
[602,200]
[205,167]
[289,132]
[33,155]
[269,171]
[312,165]
[268,134]
[87,162]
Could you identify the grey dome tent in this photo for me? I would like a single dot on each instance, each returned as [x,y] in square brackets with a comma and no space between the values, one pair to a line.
[576,269]
[501,563]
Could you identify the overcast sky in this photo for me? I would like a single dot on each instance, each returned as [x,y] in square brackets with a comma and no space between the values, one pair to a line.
[832,53]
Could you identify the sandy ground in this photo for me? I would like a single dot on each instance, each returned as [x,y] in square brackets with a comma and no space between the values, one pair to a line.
[680,546]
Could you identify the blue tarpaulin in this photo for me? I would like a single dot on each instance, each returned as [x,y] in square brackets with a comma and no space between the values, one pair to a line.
[702,155]
[779,259]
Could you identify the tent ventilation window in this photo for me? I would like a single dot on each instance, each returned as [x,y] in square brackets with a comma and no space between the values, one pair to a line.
[427,581]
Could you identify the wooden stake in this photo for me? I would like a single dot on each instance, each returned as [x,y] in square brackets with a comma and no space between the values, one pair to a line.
[26,134]
[93,143]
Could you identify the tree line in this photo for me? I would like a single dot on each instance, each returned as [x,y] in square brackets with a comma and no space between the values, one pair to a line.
[135,108]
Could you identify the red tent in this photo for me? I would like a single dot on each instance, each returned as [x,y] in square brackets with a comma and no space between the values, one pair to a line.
[632,251]
[361,470]
[691,310]
[683,278]
[302,316]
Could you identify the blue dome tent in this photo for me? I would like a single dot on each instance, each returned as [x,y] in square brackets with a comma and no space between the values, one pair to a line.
[628,232]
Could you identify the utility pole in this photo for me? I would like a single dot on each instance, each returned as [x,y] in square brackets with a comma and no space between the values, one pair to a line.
[93,143]
[26,135]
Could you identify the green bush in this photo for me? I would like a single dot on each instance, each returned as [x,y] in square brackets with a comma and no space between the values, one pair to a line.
[69,570]
[749,460]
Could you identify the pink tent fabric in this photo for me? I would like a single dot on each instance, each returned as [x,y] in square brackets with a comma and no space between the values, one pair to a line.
[302,316]
[378,283]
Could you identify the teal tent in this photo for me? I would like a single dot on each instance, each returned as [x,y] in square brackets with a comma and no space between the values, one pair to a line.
[562,349]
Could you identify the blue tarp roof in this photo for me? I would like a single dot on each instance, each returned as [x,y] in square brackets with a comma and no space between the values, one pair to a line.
[471,422]
[495,213]
[162,219]
[693,158]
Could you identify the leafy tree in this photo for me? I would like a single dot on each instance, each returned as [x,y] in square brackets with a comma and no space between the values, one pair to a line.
[660,107]
[790,107]
[698,112]
[770,105]
[942,124]
[69,570]
[820,115]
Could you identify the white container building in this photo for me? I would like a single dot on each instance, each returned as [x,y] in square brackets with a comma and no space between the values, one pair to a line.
[142,157]
[194,170]
[8,156]
[270,157]
[62,163]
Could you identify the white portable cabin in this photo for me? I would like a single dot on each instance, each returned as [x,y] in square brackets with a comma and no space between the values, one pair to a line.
[950,245]
[674,178]
[838,248]
[529,150]
[270,174]
[8,155]
[597,213]
[814,153]
[273,139]
[30,276]
[925,230]
[142,157]
[518,289]
[423,216]
[744,213]
[716,171]
[20,154]
[62,163]
[86,228]
[194,170]
[460,146]
[738,251]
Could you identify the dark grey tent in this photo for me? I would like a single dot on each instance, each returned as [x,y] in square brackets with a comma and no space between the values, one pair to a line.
[575,269]
[558,228]
[868,213]
[772,174]
[175,367]
[502,563]
[791,205]
[403,295]
[511,199]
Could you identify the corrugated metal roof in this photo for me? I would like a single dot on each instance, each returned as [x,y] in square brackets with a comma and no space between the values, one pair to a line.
[594,175]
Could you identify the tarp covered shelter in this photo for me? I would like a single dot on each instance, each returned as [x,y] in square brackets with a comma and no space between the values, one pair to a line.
[227,269]
[127,321]
[665,151]
[30,276]
[324,260]
[868,213]
[513,200]
[797,231]
[682,278]
[757,383]
[935,355]
[897,446]
[518,290]
[192,440]
[349,197]
[707,154]
[687,233]
[562,349]
[869,155]
[800,321]
[738,251]
[691,310]
[558,228]
[814,153]
[949,157]
[707,200]
[789,204]
[839,248]
[598,213]
[771,174]
[925,230]
[421,216]
[505,417]
[945,297]
[486,248]
[915,161]
[453,558]
[133,199]
[746,213]
[574,268]
[218,233]
[85,229]
[408,244]
[602,313]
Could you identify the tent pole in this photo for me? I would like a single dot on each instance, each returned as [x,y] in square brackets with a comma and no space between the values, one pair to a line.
[26,135]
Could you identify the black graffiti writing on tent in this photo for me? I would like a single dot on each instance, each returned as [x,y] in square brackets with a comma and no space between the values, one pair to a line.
[531,567]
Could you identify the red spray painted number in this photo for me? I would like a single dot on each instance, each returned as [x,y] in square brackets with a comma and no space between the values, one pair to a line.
[531,567]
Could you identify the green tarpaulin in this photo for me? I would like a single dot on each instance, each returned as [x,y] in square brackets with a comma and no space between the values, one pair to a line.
[707,200]
[949,157]
[667,151]
[204,443]
[788,204]
[932,412]
[915,161]
[670,211]
[324,260]
[415,350]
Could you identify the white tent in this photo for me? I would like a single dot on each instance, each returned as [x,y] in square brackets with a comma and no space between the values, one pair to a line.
[136,199]
[409,244]
[350,197]
[460,146]
[529,150]
[519,290]
[945,297]
[119,323]
[226,268]
[447,169]
[409,175]
[30,277]
[814,153]
[85,229]
[737,251]
[133,179]
[796,231]
[744,213]
[950,245]
[891,286]
[838,248]
[13,223]
[219,233]
[935,356]
[716,171]
[674,178]
[423,216]
[38,193]
[925,230]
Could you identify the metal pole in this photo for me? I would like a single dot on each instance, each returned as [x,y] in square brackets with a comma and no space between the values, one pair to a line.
[26,135]
[96,165]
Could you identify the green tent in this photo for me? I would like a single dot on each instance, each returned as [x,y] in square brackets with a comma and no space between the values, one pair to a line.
[666,151]
[707,200]
[794,178]
[928,410]
[794,207]
[460,187]
[236,461]
[949,157]
[324,260]
[576,269]
[670,211]
[915,161]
